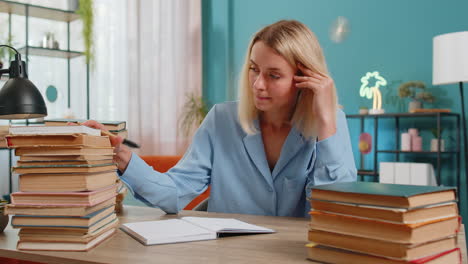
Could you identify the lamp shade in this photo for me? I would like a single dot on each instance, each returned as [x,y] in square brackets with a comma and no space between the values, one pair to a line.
[450,58]
[20,99]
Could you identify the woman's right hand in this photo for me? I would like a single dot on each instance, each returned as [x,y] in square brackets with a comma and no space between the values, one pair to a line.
[122,153]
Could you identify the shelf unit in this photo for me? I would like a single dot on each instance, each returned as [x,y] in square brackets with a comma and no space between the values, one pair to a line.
[52,14]
[397,117]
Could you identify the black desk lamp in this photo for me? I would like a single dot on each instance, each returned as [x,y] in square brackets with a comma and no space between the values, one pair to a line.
[19,97]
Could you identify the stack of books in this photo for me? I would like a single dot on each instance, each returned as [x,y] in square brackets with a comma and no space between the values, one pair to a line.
[367,222]
[118,128]
[67,187]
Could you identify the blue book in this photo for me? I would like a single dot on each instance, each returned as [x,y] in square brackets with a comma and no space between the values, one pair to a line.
[46,221]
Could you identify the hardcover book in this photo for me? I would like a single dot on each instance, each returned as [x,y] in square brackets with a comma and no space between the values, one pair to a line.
[64,198]
[45,130]
[69,140]
[380,194]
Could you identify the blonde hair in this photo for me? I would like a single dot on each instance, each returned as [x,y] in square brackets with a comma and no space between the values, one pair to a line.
[296,43]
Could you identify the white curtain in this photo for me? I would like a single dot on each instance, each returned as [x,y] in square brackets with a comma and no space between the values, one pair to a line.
[164,64]
[109,74]
[148,57]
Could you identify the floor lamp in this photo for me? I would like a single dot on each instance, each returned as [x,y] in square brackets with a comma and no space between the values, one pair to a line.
[450,65]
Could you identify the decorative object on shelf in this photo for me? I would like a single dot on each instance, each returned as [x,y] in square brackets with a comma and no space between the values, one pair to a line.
[373,91]
[435,141]
[193,113]
[51,93]
[73,5]
[365,143]
[85,11]
[363,110]
[450,54]
[19,97]
[405,142]
[56,45]
[415,141]
[408,89]
[3,218]
[339,30]
[48,40]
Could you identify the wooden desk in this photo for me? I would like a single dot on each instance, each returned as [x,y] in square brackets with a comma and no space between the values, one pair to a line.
[285,246]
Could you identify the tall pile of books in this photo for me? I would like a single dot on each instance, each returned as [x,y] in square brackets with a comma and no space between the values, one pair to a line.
[67,187]
[367,222]
[118,128]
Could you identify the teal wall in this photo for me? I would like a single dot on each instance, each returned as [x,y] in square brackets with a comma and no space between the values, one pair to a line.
[393,37]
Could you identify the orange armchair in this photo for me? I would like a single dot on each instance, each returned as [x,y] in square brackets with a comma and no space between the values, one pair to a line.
[163,164]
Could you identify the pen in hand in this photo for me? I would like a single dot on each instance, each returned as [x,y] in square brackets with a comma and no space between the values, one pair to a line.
[125,141]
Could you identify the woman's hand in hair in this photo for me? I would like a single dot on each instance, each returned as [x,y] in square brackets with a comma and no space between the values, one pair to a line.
[324,103]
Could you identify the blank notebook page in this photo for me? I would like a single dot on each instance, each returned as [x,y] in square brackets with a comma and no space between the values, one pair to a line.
[226,225]
[166,230]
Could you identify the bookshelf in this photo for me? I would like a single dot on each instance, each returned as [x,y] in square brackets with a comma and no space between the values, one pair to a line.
[397,118]
[51,14]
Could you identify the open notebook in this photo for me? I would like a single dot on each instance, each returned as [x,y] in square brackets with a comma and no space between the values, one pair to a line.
[188,229]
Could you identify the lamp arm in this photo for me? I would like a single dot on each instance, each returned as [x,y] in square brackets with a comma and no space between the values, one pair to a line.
[17,67]
[4,71]
[6,46]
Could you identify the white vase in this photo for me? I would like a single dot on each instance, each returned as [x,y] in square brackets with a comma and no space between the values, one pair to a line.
[435,145]
[413,105]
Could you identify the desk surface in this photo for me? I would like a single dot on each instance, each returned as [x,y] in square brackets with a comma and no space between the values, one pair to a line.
[285,246]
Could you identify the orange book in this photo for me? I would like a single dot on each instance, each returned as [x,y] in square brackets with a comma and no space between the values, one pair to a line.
[70,140]
[326,254]
[80,159]
[62,151]
[388,213]
[66,182]
[62,210]
[394,232]
[65,168]
[378,247]
[64,198]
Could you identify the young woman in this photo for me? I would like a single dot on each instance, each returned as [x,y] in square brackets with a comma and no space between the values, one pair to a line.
[262,154]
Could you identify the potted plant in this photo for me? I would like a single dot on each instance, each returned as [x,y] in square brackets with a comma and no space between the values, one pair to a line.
[435,141]
[3,218]
[193,113]
[408,89]
[85,10]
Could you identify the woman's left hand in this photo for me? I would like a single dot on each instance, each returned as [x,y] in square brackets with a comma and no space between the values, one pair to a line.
[324,104]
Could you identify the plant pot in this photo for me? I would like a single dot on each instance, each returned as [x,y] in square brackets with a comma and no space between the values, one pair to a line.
[363,111]
[3,221]
[413,105]
[435,145]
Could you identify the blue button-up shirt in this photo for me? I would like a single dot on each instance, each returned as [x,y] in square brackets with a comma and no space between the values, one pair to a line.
[234,164]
